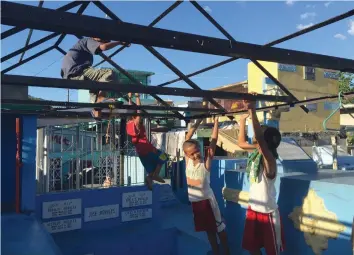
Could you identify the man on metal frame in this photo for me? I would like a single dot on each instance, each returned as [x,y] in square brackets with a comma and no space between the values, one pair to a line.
[77,65]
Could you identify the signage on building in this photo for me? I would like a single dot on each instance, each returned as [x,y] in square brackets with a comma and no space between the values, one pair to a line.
[137,214]
[54,209]
[101,212]
[287,68]
[138,198]
[329,74]
[62,225]
[309,73]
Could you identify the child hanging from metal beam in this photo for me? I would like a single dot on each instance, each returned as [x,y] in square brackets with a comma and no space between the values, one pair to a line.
[207,216]
[263,226]
[151,158]
[77,65]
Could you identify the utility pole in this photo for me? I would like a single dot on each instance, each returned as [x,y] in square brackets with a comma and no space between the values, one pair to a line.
[68,95]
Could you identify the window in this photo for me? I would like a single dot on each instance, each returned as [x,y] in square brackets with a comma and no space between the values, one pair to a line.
[309,73]
[311,107]
[287,68]
[330,106]
[330,74]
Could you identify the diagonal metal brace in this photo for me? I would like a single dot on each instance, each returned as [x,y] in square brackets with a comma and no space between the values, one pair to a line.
[228,36]
[153,23]
[159,56]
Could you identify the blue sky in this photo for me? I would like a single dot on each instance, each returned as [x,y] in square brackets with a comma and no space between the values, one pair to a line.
[254,22]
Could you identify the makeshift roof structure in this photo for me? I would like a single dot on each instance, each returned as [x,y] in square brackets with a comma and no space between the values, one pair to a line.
[62,23]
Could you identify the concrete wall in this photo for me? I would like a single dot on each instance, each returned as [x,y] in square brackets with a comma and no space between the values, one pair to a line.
[8,162]
[104,220]
[308,203]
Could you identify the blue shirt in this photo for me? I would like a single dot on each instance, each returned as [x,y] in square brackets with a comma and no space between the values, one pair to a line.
[79,57]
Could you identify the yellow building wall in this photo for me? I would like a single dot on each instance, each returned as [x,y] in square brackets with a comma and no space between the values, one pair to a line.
[256,78]
[296,120]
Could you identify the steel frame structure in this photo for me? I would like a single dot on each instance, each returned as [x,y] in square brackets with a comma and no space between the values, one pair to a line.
[60,22]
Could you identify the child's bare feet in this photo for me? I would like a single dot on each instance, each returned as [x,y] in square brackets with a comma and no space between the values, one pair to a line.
[148,182]
[158,179]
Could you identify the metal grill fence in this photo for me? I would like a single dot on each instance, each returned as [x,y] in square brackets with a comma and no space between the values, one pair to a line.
[84,156]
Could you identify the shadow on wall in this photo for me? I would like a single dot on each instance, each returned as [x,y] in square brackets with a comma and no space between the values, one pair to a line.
[234,213]
[309,227]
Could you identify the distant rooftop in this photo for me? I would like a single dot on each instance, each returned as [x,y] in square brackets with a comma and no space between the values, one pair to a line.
[232,85]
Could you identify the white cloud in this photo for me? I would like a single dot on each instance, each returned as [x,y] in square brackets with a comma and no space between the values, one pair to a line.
[327,4]
[307,15]
[351,27]
[340,36]
[289,2]
[302,26]
[310,6]
[207,9]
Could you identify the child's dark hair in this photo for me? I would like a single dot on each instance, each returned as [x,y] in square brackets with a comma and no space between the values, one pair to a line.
[190,142]
[272,137]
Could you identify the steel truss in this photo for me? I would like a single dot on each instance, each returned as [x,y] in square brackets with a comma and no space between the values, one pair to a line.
[61,23]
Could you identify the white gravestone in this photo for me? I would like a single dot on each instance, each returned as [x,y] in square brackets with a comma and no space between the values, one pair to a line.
[60,208]
[138,198]
[136,214]
[101,212]
[63,225]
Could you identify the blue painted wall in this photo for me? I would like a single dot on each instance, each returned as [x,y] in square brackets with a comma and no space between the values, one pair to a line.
[110,236]
[8,161]
[28,170]
[292,187]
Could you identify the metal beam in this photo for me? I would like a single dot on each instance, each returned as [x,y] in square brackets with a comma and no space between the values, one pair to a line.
[347,111]
[228,36]
[14,14]
[40,4]
[275,107]
[44,39]
[153,23]
[109,13]
[27,60]
[28,47]
[20,28]
[66,114]
[17,80]
[280,85]
[79,12]
[270,44]
[136,83]
[160,57]
[105,105]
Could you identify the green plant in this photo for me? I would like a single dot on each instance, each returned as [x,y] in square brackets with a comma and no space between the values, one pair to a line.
[346,84]
[350,139]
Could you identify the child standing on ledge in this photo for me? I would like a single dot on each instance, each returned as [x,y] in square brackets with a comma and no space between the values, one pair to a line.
[151,158]
[263,226]
[206,211]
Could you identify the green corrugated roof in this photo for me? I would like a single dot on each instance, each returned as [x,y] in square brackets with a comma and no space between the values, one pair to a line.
[136,72]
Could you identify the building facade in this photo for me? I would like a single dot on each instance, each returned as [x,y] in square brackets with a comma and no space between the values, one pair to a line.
[303,82]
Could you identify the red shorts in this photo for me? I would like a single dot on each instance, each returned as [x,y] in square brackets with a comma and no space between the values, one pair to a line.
[204,219]
[263,230]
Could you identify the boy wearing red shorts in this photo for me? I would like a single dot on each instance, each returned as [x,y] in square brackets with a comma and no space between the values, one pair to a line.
[206,211]
[151,158]
[263,226]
